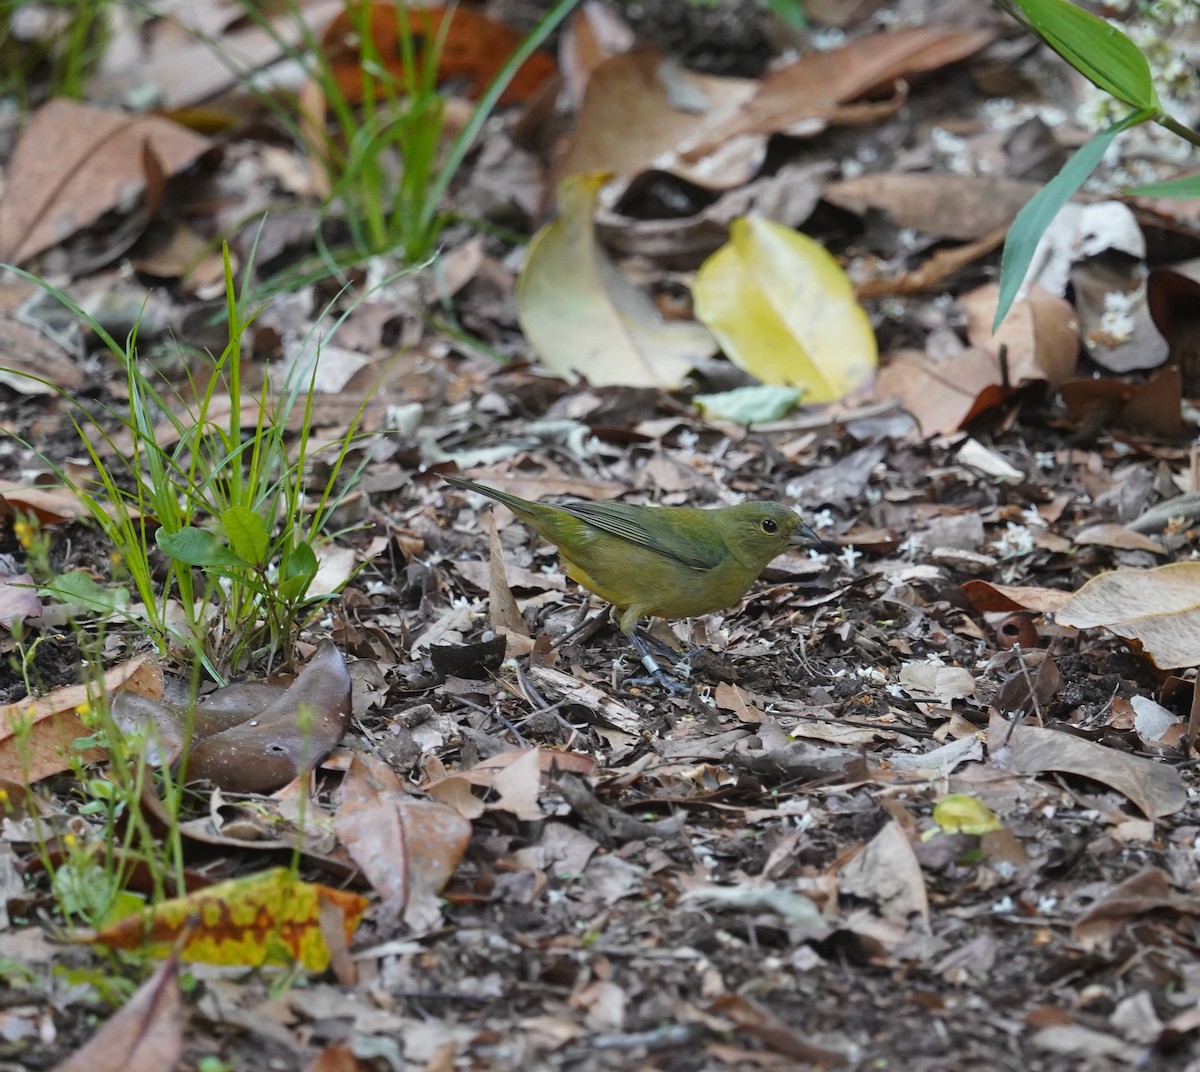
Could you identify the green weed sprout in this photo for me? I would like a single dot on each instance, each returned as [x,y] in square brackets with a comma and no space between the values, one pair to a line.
[225,504]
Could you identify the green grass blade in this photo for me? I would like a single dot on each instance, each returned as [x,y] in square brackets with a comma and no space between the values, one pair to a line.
[1032,221]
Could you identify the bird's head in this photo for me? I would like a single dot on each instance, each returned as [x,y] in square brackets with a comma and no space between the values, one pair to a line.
[760,531]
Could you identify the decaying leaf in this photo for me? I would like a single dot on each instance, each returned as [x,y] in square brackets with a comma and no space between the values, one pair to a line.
[583,318]
[784,310]
[1157,608]
[268,918]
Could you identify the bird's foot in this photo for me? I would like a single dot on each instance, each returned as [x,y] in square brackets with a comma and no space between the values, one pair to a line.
[657,675]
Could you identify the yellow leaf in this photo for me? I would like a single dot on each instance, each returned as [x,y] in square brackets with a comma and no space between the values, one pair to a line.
[784,311]
[962,814]
[583,317]
[268,918]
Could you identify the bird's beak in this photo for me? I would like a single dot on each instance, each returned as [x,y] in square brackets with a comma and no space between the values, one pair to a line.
[803,536]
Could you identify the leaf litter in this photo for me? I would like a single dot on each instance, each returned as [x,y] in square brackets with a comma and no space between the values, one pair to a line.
[930,794]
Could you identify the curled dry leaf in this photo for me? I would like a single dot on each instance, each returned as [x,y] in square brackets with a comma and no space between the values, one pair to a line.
[784,310]
[1157,608]
[38,735]
[582,317]
[292,734]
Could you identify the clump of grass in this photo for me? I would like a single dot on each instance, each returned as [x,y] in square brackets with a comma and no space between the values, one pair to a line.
[211,520]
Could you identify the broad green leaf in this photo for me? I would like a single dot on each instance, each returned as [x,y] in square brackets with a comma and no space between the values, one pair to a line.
[1184,189]
[1096,49]
[199,547]
[297,571]
[82,589]
[247,534]
[784,311]
[582,317]
[1031,222]
[755,404]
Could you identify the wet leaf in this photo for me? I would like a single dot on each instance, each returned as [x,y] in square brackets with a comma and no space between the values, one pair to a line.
[291,735]
[268,918]
[1158,608]
[583,318]
[784,310]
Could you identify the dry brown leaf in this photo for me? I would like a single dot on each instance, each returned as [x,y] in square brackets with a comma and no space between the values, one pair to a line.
[1109,534]
[640,106]
[1126,902]
[503,612]
[962,207]
[1158,608]
[407,847]
[988,597]
[888,874]
[73,163]
[1153,787]
[943,393]
[1041,333]
[146,1035]
[54,724]
[26,352]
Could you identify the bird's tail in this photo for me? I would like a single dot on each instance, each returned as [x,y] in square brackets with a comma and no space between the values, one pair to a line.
[520,507]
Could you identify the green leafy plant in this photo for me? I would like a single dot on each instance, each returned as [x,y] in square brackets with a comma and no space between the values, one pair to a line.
[386,167]
[1113,63]
[51,45]
[226,504]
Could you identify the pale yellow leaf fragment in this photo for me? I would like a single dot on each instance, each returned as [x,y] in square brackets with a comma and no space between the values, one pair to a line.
[584,318]
[784,310]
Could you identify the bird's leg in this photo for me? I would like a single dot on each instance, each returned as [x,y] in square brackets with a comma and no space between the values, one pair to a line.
[660,677]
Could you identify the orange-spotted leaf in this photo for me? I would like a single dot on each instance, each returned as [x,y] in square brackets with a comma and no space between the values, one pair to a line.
[475,49]
[268,918]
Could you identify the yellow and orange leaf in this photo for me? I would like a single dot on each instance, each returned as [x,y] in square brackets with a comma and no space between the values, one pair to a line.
[268,918]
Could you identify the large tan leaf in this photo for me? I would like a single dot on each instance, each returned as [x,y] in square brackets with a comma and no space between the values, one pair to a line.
[784,311]
[1159,608]
[583,317]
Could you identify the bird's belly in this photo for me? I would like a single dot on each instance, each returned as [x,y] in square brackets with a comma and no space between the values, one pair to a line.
[654,584]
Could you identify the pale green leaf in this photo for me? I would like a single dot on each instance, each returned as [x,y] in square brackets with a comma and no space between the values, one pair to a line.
[247,533]
[1185,189]
[755,404]
[784,310]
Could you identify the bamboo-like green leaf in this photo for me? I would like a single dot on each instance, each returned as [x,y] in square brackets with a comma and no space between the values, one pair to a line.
[1032,221]
[1185,189]
[198,547]
[247,534]
[1097,50]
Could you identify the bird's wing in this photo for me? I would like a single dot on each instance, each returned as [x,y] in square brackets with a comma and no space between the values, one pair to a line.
[647,526]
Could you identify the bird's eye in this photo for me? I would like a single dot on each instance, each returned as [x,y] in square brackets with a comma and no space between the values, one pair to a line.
[769,525]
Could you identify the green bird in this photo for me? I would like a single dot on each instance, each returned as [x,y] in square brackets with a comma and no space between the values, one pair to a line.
[659,561]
